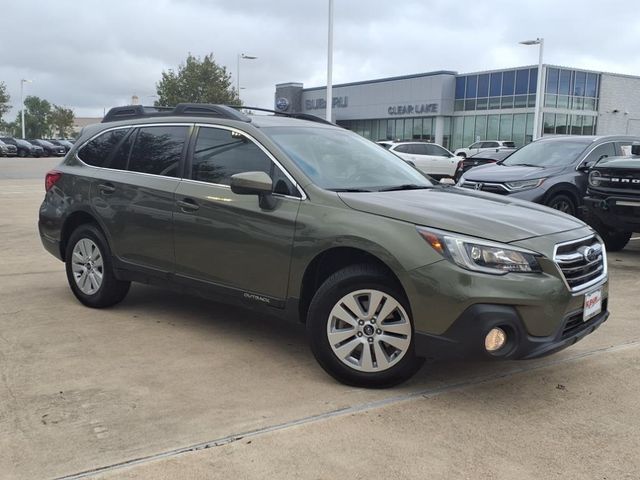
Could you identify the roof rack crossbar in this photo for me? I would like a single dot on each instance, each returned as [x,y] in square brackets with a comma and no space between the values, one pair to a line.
[182,109]
[300,116]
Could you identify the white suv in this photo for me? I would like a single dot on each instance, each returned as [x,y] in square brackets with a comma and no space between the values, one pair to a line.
[483,145]
[429,158]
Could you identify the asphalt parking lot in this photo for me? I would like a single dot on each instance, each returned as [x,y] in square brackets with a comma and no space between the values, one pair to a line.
[165,385]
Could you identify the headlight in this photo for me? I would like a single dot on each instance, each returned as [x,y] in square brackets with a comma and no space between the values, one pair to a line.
[481,255]
[524,184]
[594,178]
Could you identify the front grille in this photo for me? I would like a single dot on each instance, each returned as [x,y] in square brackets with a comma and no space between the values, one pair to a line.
[485,187]
[582,262]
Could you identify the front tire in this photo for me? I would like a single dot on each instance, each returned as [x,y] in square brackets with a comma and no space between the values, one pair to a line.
[90,269]
[562,203]
[615,240]
[360,328]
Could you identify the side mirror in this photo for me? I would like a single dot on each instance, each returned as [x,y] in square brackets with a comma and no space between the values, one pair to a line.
[255,183]
[251,183]
[586,166]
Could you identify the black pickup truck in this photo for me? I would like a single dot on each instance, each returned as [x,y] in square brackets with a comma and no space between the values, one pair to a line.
[612,203]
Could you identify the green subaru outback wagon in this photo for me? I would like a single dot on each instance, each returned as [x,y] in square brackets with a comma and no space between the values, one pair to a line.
[308,221]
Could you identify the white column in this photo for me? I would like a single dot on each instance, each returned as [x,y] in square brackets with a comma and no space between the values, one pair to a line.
[330,63]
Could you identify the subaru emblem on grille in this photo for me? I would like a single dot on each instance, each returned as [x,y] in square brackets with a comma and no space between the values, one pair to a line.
[590,254]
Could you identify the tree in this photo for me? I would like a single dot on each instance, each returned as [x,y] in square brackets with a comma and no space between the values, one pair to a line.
[36,117]
[61,121]
[196,81]
[4,100]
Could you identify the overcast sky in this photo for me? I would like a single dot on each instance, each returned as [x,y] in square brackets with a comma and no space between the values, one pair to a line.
[94,54]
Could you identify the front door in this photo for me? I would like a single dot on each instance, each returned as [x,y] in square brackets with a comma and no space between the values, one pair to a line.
[226,240]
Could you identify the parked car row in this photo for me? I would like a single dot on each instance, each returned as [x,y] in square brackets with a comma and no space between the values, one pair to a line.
[7,150]
[564,173]
[34,147]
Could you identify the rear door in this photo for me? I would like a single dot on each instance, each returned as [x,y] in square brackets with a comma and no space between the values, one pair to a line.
[227,241]
[134,196]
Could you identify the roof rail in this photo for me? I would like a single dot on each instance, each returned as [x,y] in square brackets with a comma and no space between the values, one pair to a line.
[182,109]
[300,116]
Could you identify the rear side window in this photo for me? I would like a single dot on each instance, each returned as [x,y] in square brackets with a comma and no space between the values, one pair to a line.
[490,144]
[509,144]
[97,151]
[404,149]
[158,150]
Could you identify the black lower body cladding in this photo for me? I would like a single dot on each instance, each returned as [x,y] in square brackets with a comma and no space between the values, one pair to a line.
[465,338]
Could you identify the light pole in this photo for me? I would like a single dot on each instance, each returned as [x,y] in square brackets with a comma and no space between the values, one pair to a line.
[241,56]
[539,87]
[22,82]
[330,63]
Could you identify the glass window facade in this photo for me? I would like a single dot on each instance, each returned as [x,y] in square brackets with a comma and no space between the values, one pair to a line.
[571,89]
[422,128]
[496,90]
[468,129]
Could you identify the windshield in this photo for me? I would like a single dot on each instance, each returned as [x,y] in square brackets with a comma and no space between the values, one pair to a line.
[547,154]
[340,160]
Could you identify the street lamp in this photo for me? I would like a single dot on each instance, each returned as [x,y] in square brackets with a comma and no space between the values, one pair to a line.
[22,82]
[241,56]
[330,63]
[539,90]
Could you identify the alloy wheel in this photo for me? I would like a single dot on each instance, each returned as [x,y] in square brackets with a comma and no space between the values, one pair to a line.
[369,330]
[87,266]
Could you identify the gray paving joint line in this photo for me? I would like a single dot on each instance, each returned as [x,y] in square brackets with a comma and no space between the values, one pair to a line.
[426,393]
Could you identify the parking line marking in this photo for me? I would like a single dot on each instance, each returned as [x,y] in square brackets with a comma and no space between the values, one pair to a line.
[425,393]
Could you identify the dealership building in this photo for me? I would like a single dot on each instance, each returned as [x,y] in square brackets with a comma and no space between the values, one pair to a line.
[456,110]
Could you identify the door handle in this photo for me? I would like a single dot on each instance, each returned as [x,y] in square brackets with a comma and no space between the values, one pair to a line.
[106,188]
[188,205]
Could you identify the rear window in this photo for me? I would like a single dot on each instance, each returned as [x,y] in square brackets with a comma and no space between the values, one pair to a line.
[98,150]
[509,144]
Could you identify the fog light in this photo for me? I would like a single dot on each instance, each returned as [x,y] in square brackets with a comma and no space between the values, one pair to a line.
[495,339]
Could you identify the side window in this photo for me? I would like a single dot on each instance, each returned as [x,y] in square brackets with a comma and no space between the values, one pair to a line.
[120,158]
[403,149]
[157,150]
[437,150]
[97,151]
[490,144]
[606,149]
[219,154]
[476,145]
[624,148]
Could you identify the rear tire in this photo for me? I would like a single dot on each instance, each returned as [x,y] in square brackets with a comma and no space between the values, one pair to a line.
[22,153]
[358,353]
[90,269]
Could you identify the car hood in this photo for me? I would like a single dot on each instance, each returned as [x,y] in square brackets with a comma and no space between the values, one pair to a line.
[499,173]
[479,214]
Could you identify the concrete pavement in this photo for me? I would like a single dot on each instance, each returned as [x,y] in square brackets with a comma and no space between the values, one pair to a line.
[123,392]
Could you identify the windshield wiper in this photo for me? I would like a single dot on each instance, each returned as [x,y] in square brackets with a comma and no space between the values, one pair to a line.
[350,190]
[406,186]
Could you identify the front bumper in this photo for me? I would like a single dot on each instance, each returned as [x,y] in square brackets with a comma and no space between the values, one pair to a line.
[465,338]
[617,212]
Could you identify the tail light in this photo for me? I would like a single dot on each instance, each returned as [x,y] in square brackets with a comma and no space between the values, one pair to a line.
[51,179]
